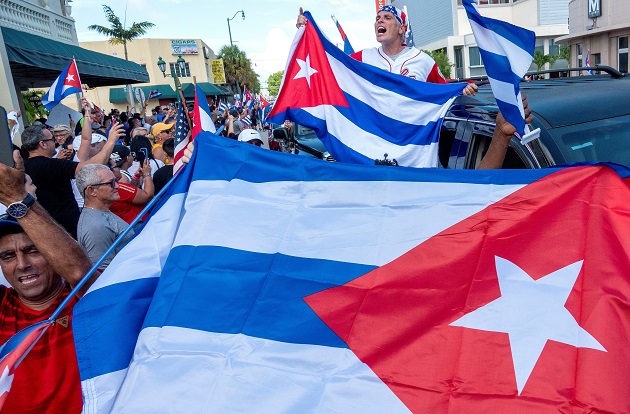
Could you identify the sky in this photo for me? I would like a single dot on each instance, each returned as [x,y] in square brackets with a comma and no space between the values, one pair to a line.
[265,35]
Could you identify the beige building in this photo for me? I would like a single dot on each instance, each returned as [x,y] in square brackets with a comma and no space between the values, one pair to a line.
[146,52]
[601,27]
[37,42]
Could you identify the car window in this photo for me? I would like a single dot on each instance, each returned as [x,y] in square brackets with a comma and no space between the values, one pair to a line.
[602,140]
[480,142]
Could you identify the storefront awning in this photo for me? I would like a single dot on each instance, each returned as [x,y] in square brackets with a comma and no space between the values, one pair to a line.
[117,95]
[209,89]
[36,62]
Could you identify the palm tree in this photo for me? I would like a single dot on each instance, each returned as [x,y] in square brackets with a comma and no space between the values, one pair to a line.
[238,68]
[117,33]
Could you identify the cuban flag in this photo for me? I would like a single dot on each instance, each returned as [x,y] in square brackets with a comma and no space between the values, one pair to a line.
[263,109]
[67,83]
[14,351]
[360,112]
[507,52]
[154,94]
[247,96]
[238,103]
[247,120]
[588,61]
[222,107]
[347,47]
[272,283]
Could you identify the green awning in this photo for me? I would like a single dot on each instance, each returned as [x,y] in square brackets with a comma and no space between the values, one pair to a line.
[209,89]
[37,61]
[117,95]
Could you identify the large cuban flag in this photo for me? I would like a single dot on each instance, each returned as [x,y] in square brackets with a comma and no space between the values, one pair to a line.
[359,111]
[272,283]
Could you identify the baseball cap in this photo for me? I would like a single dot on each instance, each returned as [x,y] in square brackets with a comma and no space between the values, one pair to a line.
[13,116]
[119,154]
[251,134]
[61,127]
[96,138]
[159,127]
[8,225]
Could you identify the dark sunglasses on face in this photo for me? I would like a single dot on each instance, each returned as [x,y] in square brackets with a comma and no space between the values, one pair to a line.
[111,183]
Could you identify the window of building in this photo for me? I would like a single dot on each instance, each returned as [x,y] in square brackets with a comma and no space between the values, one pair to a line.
[623,54]
[459,63]
[578,48]
[540,45]
[474,57]
[180,74]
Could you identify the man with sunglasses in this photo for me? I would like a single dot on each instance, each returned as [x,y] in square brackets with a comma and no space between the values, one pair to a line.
[98,227]
[53,176]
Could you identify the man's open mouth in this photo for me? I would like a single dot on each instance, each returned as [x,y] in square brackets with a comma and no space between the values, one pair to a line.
[380,30]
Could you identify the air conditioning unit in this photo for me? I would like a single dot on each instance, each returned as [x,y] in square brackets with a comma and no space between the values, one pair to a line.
[206,52]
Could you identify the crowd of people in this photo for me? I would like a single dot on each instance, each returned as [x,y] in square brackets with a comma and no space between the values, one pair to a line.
[76,188]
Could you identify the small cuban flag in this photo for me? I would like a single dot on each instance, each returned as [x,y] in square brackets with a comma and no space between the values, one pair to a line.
[154,94]
[67,83]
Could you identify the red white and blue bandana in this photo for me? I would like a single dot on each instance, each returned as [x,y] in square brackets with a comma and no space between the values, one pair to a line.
[398,14]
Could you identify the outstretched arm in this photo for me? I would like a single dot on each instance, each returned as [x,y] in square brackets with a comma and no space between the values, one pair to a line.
[50,239]
[501,140]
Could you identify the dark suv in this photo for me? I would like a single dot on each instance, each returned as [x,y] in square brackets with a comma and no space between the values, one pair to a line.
[581,118]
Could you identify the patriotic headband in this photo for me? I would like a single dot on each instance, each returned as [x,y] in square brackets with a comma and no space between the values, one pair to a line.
[398,14]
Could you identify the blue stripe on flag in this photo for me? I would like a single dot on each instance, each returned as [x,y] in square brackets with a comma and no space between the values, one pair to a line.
[119,321]
[264,293]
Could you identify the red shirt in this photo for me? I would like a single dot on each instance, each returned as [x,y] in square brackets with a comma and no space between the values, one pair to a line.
[123,207]
[47,380]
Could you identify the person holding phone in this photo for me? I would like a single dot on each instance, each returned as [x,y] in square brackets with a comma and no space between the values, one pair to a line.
[53,176]
[63,141]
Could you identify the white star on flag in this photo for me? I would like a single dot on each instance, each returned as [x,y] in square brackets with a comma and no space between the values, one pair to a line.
[306,71]
[70,78]
[531,312]
[5,381]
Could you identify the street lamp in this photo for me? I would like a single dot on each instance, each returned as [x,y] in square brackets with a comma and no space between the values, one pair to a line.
[238,86]
[228,20]
[182,67]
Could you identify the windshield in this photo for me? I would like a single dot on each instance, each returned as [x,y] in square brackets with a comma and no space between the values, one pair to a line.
[602,140]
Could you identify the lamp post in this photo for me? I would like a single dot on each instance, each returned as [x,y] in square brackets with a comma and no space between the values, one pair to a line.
[238,87]
[182,66]
[228,21]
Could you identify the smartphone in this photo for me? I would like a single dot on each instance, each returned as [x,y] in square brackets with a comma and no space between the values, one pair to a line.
[6,146]
[141,155]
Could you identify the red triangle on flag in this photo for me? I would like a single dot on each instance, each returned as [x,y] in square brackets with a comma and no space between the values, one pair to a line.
[72,77]
[399,318]
[309,80]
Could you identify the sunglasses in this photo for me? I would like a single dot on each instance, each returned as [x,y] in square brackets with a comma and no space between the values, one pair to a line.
[111,183]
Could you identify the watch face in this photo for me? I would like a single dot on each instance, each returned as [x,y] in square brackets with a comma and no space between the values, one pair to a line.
[17,210]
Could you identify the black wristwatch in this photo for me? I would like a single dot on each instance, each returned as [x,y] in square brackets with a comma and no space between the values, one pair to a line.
[20,208]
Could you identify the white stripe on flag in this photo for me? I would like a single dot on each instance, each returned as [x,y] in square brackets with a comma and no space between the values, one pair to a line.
[520,60]
[505,92]
[349,216]
[409,110]
[370,145]
[235,369]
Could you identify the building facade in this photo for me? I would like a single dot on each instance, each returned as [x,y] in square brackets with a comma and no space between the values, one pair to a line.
[37,42]
[601,27]
[444,25]
[146,52]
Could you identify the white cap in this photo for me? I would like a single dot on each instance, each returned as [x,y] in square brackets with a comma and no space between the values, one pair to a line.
[95,139]
[12,116]
[249,134]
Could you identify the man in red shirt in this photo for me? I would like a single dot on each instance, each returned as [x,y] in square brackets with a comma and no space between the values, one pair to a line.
[41,262]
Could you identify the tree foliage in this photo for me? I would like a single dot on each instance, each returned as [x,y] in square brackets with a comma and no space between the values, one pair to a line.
[33,112]
[565,53]
[540,59]
[117,32]
[273,82]
[238,68]
[441,58]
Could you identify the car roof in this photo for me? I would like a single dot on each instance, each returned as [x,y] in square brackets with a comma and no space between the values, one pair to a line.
[573,100]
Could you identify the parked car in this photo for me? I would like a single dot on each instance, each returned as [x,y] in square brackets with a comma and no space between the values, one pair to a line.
[581,118]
